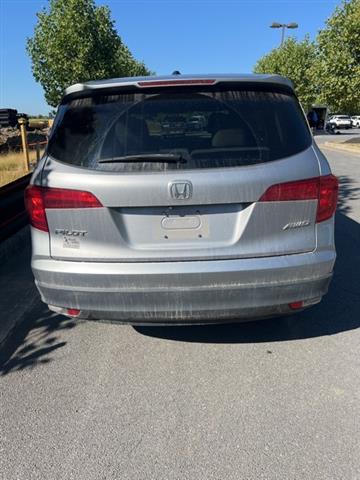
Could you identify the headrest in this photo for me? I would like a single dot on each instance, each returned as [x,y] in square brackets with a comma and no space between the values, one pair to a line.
[216,121]
[131,127]
[231,137]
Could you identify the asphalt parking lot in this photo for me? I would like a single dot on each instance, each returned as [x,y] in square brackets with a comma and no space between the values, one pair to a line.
[339,136]
[277,399]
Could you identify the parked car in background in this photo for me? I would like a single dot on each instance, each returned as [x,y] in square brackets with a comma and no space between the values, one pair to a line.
[355,121]
[234,223]
[175,125]
[196,122]
[341,121]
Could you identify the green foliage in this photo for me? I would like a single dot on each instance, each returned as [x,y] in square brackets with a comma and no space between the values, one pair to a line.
[76,41]
[338,65]
[294,60]
[327,70]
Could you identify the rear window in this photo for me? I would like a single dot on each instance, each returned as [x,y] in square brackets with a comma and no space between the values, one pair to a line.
[178,130]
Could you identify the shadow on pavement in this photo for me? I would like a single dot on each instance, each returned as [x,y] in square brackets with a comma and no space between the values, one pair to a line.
[348,193]
[34,335]
[34,340]
[338,312]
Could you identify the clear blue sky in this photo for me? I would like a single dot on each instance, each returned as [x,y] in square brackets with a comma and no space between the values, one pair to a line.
[194,36]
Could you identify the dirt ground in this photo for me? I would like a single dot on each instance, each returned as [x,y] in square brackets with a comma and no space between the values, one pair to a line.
[10,139]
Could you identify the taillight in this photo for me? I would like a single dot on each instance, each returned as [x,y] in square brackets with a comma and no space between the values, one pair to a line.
[299,190]
[38,199]
[328,195]
[324,189]
[34,204]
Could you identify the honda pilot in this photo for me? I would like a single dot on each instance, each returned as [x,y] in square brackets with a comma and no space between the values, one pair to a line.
[135,222]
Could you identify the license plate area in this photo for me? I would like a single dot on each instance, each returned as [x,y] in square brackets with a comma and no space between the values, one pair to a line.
[184,223]
[179,226]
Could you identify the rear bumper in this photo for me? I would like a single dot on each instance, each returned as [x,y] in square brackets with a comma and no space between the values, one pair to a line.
[182,292]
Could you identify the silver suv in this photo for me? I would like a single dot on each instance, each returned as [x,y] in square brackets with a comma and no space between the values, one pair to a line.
[230,221]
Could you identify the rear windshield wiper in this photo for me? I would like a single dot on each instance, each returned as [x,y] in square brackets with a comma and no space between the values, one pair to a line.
[146,157]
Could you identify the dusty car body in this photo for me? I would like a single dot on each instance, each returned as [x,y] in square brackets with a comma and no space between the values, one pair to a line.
[233,221]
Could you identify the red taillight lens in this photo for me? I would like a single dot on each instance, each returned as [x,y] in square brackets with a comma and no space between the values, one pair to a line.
[65,198]
[324,189]
[34,204]
[328,195]
[38,199]
[299,190]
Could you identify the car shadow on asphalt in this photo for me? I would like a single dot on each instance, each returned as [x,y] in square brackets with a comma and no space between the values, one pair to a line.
[338,312]
[33,341]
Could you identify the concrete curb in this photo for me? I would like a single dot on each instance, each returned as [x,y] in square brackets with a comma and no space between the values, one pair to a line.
[342,147]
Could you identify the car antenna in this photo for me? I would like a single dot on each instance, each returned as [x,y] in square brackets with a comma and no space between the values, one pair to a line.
[176,72]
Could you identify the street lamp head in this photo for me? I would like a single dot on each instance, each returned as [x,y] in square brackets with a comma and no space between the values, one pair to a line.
[283,26]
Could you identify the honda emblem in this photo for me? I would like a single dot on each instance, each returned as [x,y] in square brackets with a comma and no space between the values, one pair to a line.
[181,190]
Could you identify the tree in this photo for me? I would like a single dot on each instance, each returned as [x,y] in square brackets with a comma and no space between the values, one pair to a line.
[338,67]
[76,41]
[295,60]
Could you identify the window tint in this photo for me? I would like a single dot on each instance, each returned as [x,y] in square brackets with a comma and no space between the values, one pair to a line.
[206,129]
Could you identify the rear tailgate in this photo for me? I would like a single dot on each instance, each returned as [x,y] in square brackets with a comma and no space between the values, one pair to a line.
[141,221]
[205,206]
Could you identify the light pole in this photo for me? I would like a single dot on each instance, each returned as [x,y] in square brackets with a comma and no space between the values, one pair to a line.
[283,26]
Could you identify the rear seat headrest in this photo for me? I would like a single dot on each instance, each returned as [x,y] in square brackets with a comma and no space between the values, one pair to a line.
[230,137]
[132,126]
